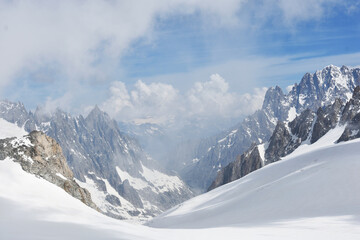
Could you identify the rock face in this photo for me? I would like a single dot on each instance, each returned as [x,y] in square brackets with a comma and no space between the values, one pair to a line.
[124,181]
[351,115]
[40,155]
[314,90]
[327,118]
[308,127]
[244,164]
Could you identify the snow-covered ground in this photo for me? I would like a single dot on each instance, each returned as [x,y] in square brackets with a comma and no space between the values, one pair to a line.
[8,129]
[312,194]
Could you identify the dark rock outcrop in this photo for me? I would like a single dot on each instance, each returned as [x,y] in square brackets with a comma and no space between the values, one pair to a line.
[244,164]
[301,126]
[326,118]
[351,115]
[278,143]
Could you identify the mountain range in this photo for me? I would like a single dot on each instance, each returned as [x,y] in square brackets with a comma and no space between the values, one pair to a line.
[307,128]
[314,90]
[123,180]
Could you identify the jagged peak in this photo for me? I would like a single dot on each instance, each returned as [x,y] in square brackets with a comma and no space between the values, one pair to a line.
[332,67]
[9,104]
[271,94]
[97,113]
[273,91]
[59,112]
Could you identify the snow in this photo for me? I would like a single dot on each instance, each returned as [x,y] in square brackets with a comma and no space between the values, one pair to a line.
[292,114]
[161,181]
[135,182]
[302,98]
[8,130]
[313,194]
[99,198]
[21,141]
[261,149]
[318,183]
[61,176]
[228,136]
[195,160]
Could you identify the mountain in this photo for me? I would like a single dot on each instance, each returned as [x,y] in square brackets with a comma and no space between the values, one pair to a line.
[312,196]
[315,90]
[314,187]
[306,128]
[123,180]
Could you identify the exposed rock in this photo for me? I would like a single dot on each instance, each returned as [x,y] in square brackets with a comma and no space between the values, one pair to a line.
[279,143]
[352,107]
[244,164]
[351,114]
[126,190]
[302,124]
[40,155]
[326,119]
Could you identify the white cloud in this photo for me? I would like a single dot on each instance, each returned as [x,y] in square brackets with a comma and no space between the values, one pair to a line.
[84,38]
[211,97]
[155,101]
[208,102]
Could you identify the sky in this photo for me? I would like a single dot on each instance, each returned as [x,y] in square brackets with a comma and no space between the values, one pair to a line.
[168,62]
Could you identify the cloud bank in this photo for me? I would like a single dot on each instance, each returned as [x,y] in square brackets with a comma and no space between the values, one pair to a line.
[161,103]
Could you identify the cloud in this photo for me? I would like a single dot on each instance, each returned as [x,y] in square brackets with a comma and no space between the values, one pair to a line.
[155,101]
[211,98]
[70,48]
[208,102]
[84,38]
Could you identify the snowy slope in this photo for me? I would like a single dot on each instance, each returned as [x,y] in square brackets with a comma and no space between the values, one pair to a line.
[313,195]
[32,208]
[8,129]
[315,181]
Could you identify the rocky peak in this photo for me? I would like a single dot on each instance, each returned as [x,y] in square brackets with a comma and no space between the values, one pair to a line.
[97,119]
[96,113]
[15,112]
[272,96]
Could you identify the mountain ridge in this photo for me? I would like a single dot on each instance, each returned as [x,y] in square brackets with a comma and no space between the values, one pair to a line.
[314,90]
[110,164]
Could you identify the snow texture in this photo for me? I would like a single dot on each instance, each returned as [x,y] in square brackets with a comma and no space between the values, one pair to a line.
[8,130]
[310,194]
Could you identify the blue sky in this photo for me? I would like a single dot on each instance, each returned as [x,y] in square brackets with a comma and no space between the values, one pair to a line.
[158,59]
[182,46]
